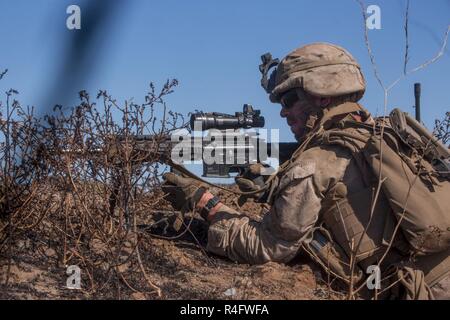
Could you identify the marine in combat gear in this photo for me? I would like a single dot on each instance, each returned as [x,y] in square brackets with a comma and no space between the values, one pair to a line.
[328,200]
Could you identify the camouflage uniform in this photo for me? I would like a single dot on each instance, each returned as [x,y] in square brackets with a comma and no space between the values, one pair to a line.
[283,229]
[295,211]
[304,190]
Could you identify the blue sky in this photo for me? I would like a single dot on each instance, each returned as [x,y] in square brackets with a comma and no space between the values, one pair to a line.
[213,48]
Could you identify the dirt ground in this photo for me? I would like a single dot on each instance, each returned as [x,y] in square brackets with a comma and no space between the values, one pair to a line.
[180,267]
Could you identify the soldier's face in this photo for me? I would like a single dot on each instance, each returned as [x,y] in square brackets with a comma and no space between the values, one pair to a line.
[296,111]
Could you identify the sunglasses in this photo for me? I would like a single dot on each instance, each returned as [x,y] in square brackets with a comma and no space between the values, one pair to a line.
[289,98]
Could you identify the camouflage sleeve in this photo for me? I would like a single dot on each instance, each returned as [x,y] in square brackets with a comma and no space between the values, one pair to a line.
[280,233]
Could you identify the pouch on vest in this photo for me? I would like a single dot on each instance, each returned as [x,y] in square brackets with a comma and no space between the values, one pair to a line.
[328,254]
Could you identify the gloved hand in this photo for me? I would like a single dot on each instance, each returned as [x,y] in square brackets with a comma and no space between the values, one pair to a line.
[182,192]
[252,180]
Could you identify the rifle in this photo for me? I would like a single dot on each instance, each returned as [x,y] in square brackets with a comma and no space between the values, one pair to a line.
[223,150]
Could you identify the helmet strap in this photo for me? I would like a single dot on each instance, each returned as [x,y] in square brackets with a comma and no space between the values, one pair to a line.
[311,122]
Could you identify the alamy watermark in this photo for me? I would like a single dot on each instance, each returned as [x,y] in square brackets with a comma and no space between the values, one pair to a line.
[74,277]
[73,21]
[374,279]
[373,21]
[225,147]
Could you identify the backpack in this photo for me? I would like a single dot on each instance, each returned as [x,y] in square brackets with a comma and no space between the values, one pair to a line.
[411,168]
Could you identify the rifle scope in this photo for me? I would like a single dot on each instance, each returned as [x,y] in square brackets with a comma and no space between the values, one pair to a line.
[249,118]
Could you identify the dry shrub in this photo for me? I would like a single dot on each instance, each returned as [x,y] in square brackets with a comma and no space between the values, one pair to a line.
[77,184]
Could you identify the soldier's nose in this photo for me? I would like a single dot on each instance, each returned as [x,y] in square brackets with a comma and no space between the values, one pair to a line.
[284,112]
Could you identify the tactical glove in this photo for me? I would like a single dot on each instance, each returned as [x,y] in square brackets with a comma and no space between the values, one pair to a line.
[251,181]
[182,192]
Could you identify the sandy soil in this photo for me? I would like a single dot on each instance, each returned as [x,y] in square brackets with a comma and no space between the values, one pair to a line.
[34,269]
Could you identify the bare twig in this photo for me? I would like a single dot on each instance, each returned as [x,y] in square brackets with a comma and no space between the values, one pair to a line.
[406,38]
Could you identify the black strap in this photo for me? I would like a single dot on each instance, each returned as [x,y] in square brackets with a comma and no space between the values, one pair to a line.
[209,206]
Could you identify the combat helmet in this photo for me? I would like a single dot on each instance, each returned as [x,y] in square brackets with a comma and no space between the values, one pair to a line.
[320,69]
